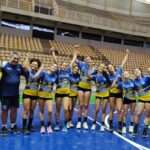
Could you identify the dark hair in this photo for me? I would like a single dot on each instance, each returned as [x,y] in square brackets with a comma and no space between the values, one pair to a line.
[55,50]
[14,53]
[81,58]
[106,75]
[36,60]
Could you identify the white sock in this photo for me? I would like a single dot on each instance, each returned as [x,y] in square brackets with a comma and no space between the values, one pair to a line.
[4,125]
[12,125]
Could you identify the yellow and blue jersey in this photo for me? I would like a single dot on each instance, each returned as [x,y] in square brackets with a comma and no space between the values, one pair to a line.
[116,76]
[63,82]
[32,83]
[101,85]
[85,72]
[47,81]
[128,89]
[74,79]
[142,88]
[64,78]
[140,84]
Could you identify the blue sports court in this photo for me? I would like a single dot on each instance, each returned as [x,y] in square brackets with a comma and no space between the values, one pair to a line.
[73,139]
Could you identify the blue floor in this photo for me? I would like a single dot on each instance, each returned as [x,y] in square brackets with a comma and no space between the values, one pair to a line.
[72,140]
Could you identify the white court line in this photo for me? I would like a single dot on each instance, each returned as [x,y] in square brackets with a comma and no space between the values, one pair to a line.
[138,146]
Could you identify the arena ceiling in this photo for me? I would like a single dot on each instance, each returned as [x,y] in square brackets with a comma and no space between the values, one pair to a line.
[144,1]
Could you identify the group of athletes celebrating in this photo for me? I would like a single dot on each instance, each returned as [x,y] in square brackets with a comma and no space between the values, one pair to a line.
[70,85]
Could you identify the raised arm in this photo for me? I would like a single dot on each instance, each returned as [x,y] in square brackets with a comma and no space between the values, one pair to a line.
[26,64]
[74,58]
[39,72]
[54,55]
[122,64]
[125,58]
[1,64]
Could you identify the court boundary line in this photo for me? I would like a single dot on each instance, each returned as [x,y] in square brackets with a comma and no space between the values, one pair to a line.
[138,146]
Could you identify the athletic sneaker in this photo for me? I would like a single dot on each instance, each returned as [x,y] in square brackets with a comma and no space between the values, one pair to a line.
[85,125]
[64,129]
[78,126]
[42,130]
[120,126]
[26,131]
[110,127]
[49,129]
[14,129]
[71,124]
[120,130]
[57,128]
[124,130]
[68,125]
[135,130]
[93,126]
[145,133]
[131,128]
[102,128]
[31,129]
[5,131]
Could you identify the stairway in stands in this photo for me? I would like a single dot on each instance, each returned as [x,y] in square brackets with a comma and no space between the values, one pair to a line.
[101,57]
[46,45]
